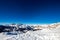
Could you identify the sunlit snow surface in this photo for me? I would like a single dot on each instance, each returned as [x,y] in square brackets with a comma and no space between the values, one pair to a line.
[44,34]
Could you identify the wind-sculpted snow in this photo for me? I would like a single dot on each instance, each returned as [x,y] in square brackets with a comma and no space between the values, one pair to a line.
[49,33]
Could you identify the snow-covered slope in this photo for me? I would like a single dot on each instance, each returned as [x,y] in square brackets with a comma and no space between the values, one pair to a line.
[50,33]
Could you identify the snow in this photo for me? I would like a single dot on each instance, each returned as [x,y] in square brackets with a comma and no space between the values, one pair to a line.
[44,34]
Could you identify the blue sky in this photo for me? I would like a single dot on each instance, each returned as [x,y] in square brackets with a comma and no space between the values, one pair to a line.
[29,11]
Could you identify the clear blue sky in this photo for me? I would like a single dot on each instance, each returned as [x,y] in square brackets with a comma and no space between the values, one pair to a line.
[29,11]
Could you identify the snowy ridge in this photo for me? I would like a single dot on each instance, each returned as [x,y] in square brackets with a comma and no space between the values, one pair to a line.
[48,32]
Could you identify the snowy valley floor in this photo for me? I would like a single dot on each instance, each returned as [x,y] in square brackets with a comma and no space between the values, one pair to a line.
[44,34]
